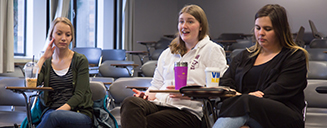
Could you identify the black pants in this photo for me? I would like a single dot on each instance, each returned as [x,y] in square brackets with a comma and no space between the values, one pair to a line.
[139,113]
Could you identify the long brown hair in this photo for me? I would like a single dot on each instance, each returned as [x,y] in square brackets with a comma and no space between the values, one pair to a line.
[278,17]
[177,46]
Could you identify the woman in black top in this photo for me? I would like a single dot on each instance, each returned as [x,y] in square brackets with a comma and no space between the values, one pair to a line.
[269,77]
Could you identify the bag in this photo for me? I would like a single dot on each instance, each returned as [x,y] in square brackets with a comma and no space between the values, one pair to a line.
[102,118]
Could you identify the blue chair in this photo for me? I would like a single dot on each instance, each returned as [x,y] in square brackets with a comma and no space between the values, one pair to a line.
[113,54]
[93,55]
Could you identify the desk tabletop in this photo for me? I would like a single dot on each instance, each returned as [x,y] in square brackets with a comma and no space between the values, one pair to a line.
[164,91]
[30,88]
[136,52]
[146,42]
[201,94]
[124,65]
[225,41]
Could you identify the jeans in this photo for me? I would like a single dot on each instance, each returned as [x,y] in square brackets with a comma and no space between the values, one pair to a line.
[236,122]
[64,119]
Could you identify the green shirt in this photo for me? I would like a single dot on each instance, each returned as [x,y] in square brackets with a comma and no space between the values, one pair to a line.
[81,101]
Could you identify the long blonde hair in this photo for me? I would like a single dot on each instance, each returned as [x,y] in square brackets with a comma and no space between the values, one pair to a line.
[63,20]
[177,46]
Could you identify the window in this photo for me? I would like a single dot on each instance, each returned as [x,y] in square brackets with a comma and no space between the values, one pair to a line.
[86,26]
[19,27]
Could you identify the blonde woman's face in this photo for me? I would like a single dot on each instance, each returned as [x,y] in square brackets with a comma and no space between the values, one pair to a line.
[62,35]
[188,28]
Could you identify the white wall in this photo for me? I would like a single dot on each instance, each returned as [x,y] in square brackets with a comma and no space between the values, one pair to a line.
[153,19]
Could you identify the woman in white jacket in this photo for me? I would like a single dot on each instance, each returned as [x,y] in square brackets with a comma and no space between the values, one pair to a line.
[193,45]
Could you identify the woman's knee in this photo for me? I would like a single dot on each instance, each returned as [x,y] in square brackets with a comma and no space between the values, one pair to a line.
[57,114]
[131,101]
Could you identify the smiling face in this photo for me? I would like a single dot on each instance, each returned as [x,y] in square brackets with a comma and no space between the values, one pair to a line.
[62,35]
[264,32]
[188,28]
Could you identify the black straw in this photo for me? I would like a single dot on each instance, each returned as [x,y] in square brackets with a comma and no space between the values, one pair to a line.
[33,63]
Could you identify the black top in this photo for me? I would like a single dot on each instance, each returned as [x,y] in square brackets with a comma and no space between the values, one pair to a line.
[63,88]
[251,78]
[282,81]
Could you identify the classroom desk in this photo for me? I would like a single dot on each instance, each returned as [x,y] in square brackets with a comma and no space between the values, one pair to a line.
[203,94]
[23,91]
[139,53]
[125,66]
[148,45]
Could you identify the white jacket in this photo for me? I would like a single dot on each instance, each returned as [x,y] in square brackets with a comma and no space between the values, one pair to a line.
[205,54]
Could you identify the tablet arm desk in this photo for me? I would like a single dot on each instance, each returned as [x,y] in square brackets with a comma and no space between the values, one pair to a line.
[23,91]
[203,94]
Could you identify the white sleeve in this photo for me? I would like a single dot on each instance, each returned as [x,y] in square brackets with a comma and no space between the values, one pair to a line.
[218,59]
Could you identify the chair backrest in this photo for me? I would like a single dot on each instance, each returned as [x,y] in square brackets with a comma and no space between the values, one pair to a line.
[314,31]
[317,54]
[118,88]
[318,43]
[149,67]
[8,97]
[98,90]
[299,37]
[241,44]
[307,37]
[317,70]
[314,98]
[106,70]
[102,79]
[92,54]
[113,54]
[163,43]
[156,53]
[231,36]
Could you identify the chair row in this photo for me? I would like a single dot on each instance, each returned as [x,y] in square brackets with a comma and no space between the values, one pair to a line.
[316,111]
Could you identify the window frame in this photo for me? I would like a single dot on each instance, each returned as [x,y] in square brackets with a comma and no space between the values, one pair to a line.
[24,31]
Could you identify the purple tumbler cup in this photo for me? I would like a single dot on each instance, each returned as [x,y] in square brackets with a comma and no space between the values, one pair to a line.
[180,74]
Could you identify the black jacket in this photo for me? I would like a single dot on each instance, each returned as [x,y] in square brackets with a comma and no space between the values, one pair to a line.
[282,82]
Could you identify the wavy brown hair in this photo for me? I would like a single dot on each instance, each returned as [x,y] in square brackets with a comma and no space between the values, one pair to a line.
[278,17]
[177,46]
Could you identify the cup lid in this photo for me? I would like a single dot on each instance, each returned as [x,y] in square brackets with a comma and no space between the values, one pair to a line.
[31,64]
[212,69]
[180,64]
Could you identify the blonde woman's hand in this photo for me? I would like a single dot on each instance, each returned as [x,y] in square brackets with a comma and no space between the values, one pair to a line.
[49,51]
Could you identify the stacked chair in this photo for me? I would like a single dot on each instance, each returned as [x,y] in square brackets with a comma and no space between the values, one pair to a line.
[319,40]
[299,37]
[110,59]
[237,47]
[147,69]
[119,92]
[316,111]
